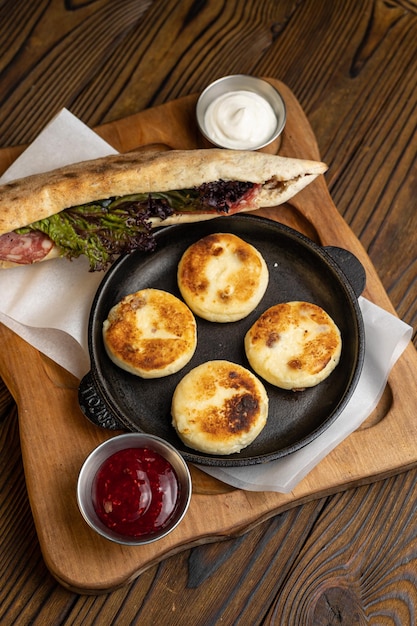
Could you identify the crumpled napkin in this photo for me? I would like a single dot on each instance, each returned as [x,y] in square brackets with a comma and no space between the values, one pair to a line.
[48,305]
[385,338]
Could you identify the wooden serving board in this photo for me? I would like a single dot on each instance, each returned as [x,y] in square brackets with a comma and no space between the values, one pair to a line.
[56,437]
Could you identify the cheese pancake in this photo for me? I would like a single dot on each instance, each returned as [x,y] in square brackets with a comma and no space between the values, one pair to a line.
[294,345]
[222,278]
[219,408]
[150,333]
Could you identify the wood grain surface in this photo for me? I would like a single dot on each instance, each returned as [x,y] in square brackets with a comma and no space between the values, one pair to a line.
[348,558]
[49,416]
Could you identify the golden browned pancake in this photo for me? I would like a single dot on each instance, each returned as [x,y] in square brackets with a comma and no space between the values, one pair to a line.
[294,345]
[222,278]
[150,333]
[219,408]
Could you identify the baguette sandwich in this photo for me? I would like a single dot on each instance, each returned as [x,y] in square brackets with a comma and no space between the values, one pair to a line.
[110,206]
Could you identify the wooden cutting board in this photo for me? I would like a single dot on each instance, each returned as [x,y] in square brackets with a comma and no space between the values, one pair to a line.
[56,437]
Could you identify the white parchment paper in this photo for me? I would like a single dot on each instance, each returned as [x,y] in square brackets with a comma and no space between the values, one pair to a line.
[386,338]
[48,305]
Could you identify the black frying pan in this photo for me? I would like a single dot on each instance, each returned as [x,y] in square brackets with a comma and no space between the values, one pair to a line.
[298,270]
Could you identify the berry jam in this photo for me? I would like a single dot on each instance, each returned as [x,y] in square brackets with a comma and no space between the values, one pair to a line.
[135,492]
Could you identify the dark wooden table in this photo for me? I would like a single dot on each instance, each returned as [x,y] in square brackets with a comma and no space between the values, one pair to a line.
[346,559]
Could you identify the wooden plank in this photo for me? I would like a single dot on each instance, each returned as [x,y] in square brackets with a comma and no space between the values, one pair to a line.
[55,437]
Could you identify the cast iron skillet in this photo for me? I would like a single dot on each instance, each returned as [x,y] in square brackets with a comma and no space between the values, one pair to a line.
[298,270]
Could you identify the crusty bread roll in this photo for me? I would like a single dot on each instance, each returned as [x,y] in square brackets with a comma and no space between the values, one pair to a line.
[35,197]
[222,278]
[150,333]
[294,345]
[219,408]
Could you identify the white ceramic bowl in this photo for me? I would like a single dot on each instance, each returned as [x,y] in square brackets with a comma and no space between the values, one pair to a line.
[86,487]
[242,83]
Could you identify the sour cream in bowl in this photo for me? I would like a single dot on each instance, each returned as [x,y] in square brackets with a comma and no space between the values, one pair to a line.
[242,113]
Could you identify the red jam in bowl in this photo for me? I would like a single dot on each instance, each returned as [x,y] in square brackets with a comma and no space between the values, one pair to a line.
[135,492]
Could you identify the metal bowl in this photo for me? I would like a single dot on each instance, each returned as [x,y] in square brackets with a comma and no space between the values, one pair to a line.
[92,465]
[231,85]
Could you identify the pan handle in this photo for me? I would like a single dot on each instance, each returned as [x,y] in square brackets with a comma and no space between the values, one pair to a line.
[94,407]
[351,267]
